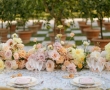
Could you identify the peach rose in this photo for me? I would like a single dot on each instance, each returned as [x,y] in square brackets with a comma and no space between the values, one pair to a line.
[66,63]
[50,65]
[61,60]
[22,53]
[62,51]
[96,48]
[63,68]
[16,56]
[20,46]
[21,64]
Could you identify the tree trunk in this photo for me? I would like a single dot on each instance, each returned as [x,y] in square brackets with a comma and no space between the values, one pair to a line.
[101,28]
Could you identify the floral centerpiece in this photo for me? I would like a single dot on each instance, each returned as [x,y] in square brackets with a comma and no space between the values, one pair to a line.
[12,53]
[57,56]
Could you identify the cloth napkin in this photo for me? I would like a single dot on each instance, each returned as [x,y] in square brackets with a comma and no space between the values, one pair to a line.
[86,81]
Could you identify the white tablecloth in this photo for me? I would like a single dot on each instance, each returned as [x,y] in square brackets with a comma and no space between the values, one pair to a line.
[53,79]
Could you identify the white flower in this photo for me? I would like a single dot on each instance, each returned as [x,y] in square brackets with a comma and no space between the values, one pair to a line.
[50,47]
[35,39]
[60,26]
[59,35]
[85,43]
[103,54]
[62,42]
[17,40]
[95,54]
[14,35]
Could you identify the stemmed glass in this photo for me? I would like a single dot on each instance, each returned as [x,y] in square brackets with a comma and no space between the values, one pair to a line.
[92,65]
[100,67]
[39,66]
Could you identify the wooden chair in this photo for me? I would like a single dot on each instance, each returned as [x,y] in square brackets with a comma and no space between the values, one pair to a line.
[8,88]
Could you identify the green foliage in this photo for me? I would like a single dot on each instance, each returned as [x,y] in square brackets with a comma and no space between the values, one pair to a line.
[59,9]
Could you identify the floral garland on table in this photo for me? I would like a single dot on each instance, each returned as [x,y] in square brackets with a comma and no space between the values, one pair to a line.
[12,53]
[57,55]
[53,56]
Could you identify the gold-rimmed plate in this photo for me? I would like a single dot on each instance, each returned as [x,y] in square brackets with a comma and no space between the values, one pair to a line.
[12,82]
[97,82]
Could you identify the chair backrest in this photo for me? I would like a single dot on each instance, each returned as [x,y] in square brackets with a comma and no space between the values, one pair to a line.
[7,88]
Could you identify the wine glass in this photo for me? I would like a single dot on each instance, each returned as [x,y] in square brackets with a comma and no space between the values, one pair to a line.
[92,64]
[39,67]
[100,67]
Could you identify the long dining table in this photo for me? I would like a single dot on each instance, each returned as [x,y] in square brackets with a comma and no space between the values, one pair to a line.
[54,80]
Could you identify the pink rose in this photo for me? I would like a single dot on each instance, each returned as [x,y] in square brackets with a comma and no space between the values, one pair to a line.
[54,55]
[9,42]
[57,45]
[46,54]
[29,66]
[50,65]
[10,64]
[16,56]
[71,68]
[41,57]
[8,54]
[32,57]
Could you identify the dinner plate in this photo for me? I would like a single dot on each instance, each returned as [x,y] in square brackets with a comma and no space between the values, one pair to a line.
[12,82]
[97,81]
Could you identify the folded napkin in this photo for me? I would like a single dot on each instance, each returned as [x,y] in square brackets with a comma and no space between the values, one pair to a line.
[22,80]
[86,81]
